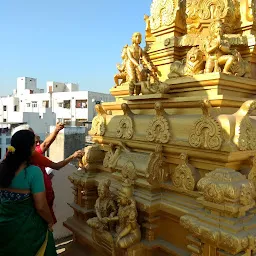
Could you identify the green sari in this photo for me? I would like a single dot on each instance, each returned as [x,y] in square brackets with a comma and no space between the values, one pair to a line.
[22,231]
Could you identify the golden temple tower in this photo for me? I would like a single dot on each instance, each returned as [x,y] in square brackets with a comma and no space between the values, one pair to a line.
[173,167]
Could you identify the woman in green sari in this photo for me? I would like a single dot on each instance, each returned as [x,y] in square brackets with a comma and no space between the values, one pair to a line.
[25,218]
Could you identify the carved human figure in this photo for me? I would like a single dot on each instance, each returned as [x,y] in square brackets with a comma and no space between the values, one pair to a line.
[122,68]
[218,51]
[127,230]
[148,27]
[135,61]
[105,207]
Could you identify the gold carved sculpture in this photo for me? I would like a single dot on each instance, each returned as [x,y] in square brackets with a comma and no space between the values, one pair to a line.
[136,62]
[148,27]
[125,125]
[158,128]
[245,135]
[122,68]
[213,54]
[229,188]
[252,173]
[92,155]
[157,167]
[175,152]
[121,158]
[231,194]
[218,52]
[185,176]
[105,207]
[163,13]
[200,11]
[98,122]
[194,64]
[127,229]
[115,227]
[207,130]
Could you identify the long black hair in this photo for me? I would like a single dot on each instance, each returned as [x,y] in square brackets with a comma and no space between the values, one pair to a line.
[23,142]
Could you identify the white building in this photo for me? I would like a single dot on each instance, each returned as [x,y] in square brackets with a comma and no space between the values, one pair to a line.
[61,102]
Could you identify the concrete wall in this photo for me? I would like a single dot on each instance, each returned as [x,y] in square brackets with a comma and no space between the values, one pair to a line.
[63,196]
[69,140]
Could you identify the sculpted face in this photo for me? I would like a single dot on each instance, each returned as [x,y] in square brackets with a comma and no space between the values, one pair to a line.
[218,29]
[136,38]
[101,191]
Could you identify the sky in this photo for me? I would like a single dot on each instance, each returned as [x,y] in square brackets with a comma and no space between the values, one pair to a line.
[76,41]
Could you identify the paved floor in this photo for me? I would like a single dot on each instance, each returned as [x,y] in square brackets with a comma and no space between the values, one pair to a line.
[69,248]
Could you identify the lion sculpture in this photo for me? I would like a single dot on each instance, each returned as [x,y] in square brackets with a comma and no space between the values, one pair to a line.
[194,64]
[240,67]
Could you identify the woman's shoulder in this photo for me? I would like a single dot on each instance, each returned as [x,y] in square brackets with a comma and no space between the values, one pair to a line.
[33,169]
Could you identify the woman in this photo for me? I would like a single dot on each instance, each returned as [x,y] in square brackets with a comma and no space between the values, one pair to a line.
[25,219]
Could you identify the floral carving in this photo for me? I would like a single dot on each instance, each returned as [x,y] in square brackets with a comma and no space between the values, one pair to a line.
[213,193]
[185,176]
[158,129]
[206,132]
[247,138]
[245,134]
[111,156]
[199,11]
[98,122]
[252,173]
[125,125]
[157,169]
[98,126]
[205,232]
[229,188]
[163,13]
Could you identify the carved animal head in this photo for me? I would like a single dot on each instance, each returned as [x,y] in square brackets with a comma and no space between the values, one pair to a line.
[194,54]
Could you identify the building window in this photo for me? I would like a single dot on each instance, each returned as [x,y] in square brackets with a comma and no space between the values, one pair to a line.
[34,104]
[67,122]
[60,104]
[15,108]
[28,105]
[4,120]
[66,104]
[46,103]
[80,122]
[5,108]
[81,103]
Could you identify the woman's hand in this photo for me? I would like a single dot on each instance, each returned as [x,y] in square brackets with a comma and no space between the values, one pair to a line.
[78,154]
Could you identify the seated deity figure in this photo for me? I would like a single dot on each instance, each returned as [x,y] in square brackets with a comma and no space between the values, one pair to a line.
[127,230]
[218,51]
[136,59]
[105,207]
[122,68]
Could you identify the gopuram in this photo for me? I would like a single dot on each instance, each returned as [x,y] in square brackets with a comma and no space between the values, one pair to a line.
[173,167]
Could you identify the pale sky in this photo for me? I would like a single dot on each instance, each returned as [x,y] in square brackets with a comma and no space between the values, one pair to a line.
[66,41]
